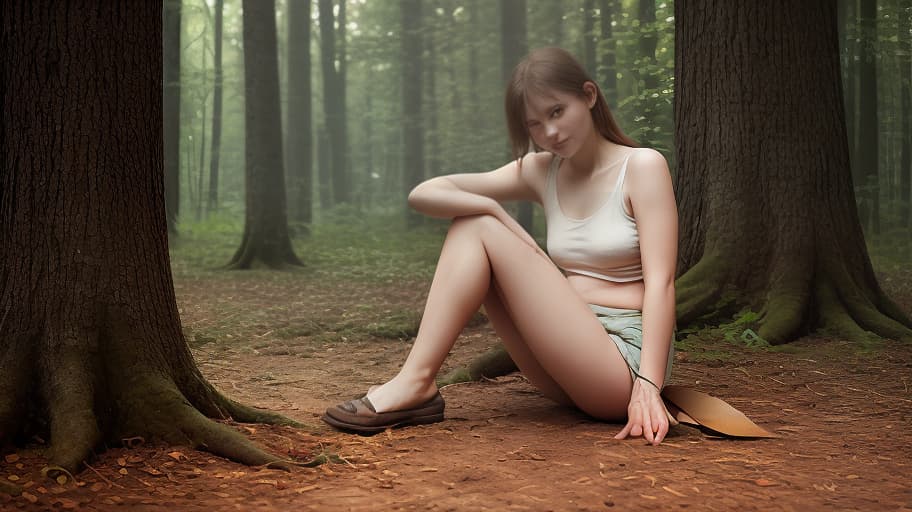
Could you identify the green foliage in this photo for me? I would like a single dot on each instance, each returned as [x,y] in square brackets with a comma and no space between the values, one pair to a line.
[704,340]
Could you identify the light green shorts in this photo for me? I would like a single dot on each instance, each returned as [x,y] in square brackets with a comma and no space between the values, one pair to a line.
[625,328]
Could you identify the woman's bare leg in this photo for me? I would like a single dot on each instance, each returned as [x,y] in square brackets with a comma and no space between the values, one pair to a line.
[558,328]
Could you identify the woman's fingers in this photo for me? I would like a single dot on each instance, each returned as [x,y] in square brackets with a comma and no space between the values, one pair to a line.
[647,427]
[623,433]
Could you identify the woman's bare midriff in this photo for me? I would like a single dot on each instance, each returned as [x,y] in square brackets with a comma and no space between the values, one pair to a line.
[607,293]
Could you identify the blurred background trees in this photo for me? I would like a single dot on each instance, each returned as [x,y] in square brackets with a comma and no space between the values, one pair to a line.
[354,149]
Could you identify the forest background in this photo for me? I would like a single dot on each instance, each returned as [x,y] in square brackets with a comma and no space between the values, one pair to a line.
[369,98]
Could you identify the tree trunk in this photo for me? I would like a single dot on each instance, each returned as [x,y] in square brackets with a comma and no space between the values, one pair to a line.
[513,48]
[608,71]
[412,129]
[300,128]
[648,40]
[768,216]
[473,42]
[866,176]
[216,109]
[172,101]
[432,129]
[198,203]
[590,58]
[265,223]
[90,338]
[905,66]
[333,102]
[849,9]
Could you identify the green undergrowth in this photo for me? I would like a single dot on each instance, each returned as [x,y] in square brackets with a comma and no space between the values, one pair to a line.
[707,341]
[345,245]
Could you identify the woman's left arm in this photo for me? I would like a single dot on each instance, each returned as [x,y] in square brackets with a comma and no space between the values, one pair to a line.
[649,187]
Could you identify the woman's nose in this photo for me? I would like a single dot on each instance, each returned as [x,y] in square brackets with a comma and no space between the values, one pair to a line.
[550,130]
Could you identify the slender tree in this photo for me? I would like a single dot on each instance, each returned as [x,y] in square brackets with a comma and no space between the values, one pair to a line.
[432,105]
[905,66]
[265,223]
[172,101]
[299,146]
[590,58]
[768,216]
[514,47]
[215,151]
[849,25]
[91,347]
[866,176]
[411,86]
[607,71]
[648,40]
[334,100]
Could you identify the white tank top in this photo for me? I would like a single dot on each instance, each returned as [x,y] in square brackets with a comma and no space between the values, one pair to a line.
[604,245]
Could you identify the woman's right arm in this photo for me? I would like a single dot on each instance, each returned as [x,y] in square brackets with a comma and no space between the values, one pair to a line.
[460,195]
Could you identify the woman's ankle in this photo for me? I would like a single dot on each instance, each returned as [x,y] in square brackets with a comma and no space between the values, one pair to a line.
[402,393]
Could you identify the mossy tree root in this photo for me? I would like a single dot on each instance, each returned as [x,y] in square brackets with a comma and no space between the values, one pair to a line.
[863,310]
[699,289]
[493,363]
[14,378]
[153,407]
[785,311]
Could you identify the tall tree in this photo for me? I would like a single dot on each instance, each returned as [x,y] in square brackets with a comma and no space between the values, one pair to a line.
[848,10]
[411,87]
[265,222]
[299,142]
[334,99]
[90,338]
[866,176]
[608,73]
[768,216]
[432,105]
[648,41]
[172,101]
[905,66]
[513,48]
[589,54]
[215,151]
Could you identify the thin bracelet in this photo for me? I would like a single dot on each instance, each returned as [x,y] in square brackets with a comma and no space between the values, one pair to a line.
[649,381]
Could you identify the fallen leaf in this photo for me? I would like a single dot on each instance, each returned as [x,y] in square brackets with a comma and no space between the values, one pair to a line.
[11,458]
[97,486]
[122,471]
[121,462]
[134,459]
[178,456]
[151,471]
[42,490]
[30,497]
[13,478]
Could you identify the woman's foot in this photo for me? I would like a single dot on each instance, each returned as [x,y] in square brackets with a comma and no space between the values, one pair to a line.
[400,394]
[362,416]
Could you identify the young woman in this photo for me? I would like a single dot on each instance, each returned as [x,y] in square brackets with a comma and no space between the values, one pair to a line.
[591,325]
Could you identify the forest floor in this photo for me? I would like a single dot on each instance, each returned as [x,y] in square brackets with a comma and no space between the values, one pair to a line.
[299,342]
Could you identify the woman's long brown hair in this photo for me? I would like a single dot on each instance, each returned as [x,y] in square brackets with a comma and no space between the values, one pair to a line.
[553,69]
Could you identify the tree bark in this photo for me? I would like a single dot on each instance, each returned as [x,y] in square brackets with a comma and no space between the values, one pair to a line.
[333,102]
[215,150]
[768,217]
[514,47]
[850,72]
[411,86]
[265,222]
[300,125]
[172,110]
[90,338]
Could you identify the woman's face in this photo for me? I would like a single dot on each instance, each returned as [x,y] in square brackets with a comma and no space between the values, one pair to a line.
[560,122]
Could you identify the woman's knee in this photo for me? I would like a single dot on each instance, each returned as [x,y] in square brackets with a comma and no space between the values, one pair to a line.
[474,223]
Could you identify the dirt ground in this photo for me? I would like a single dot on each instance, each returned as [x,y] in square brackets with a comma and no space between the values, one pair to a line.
[843,415]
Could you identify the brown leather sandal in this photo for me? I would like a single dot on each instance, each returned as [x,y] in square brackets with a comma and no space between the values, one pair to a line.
[360,416]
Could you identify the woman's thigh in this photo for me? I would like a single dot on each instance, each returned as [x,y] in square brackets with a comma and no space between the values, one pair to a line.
[555,323]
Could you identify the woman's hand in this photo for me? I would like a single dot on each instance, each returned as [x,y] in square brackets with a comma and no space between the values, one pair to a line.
[646,414]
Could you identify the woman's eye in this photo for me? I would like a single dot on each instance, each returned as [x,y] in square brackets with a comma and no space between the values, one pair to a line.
[556,112]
